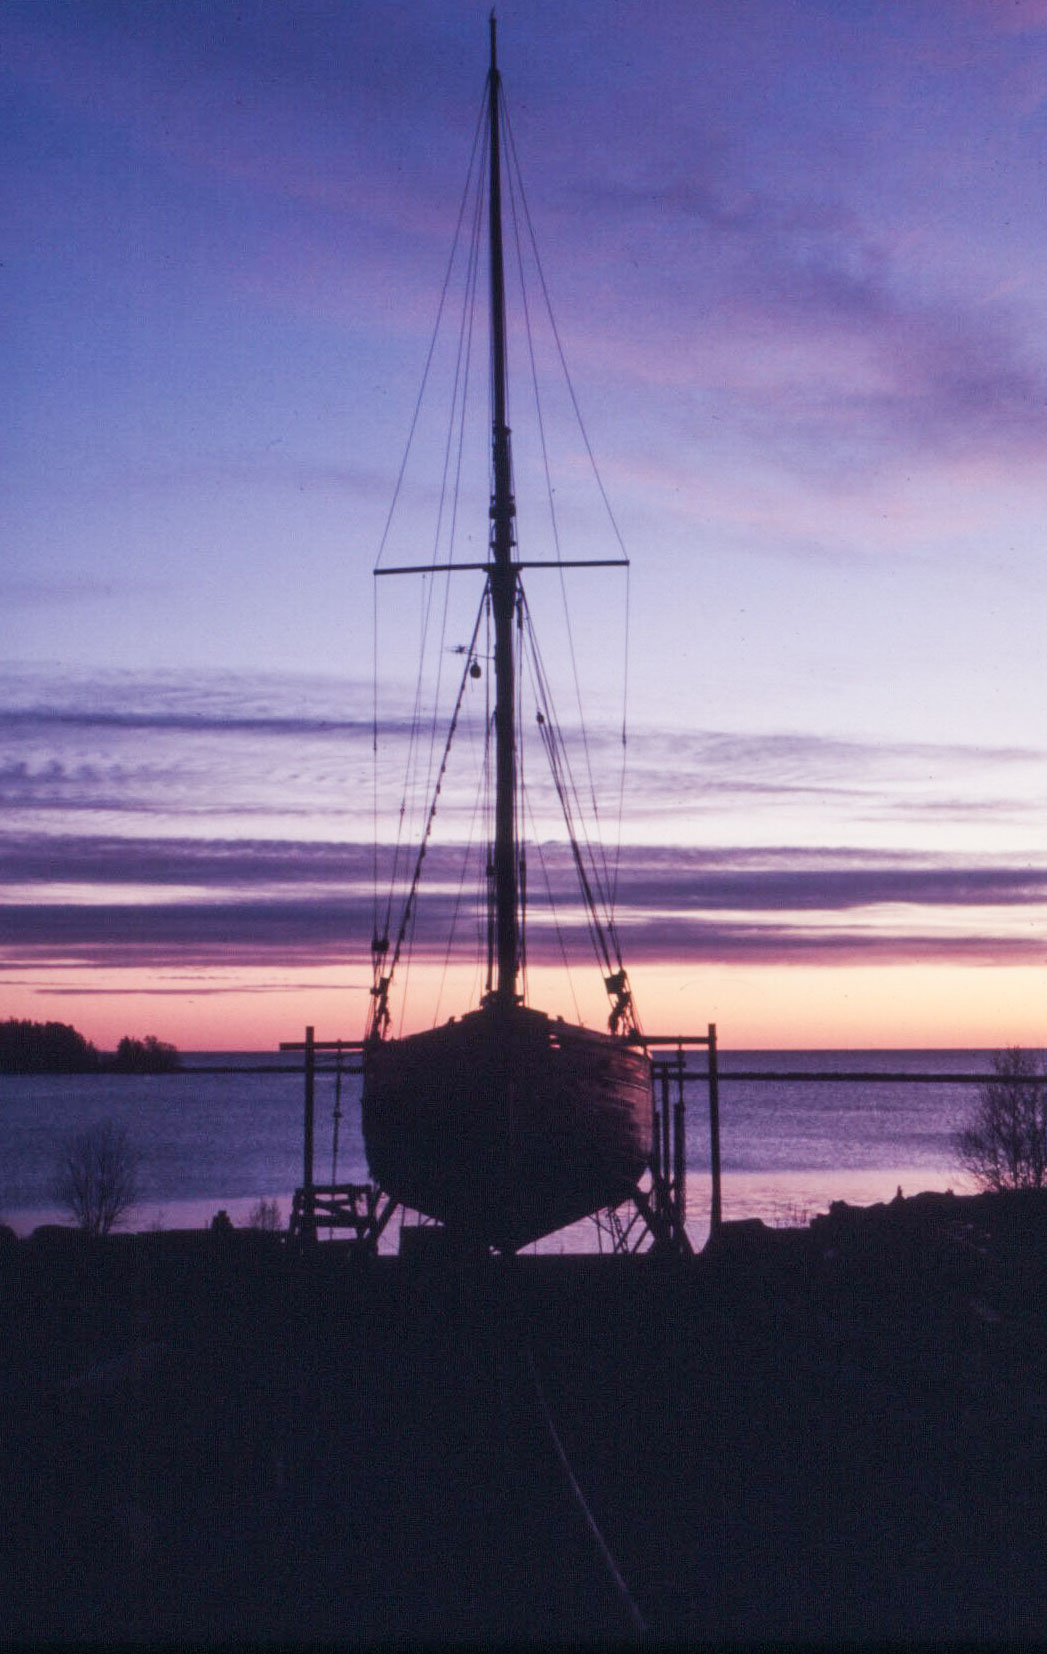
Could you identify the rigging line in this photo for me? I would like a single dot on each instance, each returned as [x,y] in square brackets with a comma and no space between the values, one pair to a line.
[553,754]
[550,722]
[560,936]
[406,918]
[516,183]
[406,975]
[556,738]
[506,381]
[519,799]
[479,130]
[402,824]
[617,864]
[374,761]
[487,904]
[414,788]
[556,753]
[597,929]
[460,389]
[603,932]
[405,818]
[467,861]
[481,954]
[480,127]
[411,784]
[559,344]
[600,895]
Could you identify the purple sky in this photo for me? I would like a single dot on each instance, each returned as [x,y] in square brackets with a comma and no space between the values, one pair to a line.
[797,258]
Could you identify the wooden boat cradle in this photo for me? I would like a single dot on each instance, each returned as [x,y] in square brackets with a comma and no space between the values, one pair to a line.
[652,1217]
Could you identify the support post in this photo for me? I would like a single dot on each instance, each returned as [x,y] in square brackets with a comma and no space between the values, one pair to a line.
[716,1206]
[679,1149]
[308,1191]
[667,1163]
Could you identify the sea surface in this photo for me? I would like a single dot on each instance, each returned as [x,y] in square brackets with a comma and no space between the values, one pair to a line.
[211,1141]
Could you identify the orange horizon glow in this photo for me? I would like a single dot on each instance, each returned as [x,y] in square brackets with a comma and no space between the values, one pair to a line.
[759,1007]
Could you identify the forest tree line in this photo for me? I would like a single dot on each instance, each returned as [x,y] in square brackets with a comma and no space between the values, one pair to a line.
[56,1048]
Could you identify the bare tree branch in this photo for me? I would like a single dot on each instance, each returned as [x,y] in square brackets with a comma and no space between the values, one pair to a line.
[1004,1145]
[96,1178]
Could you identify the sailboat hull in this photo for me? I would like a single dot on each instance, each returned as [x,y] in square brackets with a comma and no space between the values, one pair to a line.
[507,1124]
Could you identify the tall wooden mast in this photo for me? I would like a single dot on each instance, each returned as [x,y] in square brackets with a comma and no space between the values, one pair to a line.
[503,578]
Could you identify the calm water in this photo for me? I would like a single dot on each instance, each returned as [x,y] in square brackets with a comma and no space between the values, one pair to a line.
[226,1140]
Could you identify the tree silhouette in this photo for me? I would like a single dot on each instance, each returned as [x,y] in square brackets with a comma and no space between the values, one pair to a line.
[44,1048]
[266,1215]
[148,1056]
[1004,1146]
[96,1179]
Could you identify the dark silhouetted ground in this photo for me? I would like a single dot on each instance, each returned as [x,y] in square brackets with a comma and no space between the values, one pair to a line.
[821,1435]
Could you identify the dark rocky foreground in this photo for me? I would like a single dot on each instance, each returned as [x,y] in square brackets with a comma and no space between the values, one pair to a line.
[830,1434]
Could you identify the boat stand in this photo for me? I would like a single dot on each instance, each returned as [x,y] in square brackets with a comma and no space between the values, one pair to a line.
[654,1218]
[362,1208]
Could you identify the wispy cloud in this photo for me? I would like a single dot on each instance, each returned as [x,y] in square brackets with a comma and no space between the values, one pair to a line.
[227,756]
[784,944]
[235,990]
[35,591]
[42,719]
[1021,17]
[269,903]
[674,880]
[324,933]
[669,876]
[827,349]
[44,859]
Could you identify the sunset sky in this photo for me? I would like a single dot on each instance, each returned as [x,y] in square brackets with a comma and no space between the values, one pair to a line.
[797,255]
